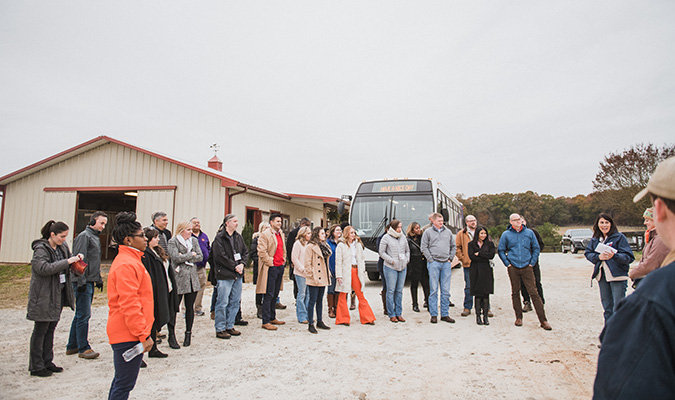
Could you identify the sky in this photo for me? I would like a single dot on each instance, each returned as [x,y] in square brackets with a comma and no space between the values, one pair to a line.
[314,97]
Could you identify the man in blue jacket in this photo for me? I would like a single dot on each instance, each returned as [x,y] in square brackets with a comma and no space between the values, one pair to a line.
[519,251]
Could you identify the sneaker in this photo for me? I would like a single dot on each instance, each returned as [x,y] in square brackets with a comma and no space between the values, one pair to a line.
[199,313]
[466,312]
[88,354]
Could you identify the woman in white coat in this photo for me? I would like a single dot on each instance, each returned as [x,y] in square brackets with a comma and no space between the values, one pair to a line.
[350,273]
[395,252]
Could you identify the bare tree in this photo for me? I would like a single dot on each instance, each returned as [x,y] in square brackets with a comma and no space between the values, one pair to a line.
[631,168]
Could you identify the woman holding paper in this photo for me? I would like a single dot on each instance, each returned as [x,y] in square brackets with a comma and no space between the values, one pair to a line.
[610,252]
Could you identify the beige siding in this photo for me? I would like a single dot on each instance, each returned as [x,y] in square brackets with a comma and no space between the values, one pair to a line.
[265,204]
[149,201]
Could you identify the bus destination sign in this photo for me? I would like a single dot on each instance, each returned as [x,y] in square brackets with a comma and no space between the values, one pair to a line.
[394,187]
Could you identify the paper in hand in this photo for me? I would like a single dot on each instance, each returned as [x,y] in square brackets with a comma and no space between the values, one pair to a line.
[603,248]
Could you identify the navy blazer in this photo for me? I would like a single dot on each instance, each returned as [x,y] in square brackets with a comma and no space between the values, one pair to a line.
[620,263]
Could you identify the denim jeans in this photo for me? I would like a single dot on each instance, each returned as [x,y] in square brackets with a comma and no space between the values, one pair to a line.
[79,329]
[439,273]
[227,304]
[314,299]
[395,280]
[610,294]
[301,299]
[468,299]
[126,373]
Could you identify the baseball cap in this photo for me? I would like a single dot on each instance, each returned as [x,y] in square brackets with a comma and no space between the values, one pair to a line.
[662,181]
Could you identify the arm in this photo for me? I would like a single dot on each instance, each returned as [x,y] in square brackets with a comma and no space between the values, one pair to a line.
[453,247]
[127,284]
[295,257]
[196,249]
[175,254]
[43,267]
[383,252]
[653,256]
[463,252]
[590,253]
[308,268]
[624,255]
[80,246]
[502,250]
[220,258]
[407,252]
[535,249]
[263,257]
[339,250]
[425,246]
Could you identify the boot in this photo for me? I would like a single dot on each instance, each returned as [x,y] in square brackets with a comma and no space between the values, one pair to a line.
[415,305]
[321,325]
[527,306]
[259,313]
[486,310]
[479,303]
[384,302]
[331,305]
[155,353]
[172,339]
[352,306]
[311,328]
[188,336]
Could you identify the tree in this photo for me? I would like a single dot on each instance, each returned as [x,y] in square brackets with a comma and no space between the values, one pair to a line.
[631,168]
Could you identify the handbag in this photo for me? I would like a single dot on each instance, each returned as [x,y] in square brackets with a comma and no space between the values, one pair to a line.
[78,267]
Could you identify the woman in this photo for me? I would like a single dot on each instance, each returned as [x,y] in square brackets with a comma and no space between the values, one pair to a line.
[184,252]
[316,274]
[654,252]
[156,262]
[130,303]
[298,260]
[350,272]
[417,267]
[481,251]
[50,291]
[611,254]
[253,255]
[334,235]
[395,252]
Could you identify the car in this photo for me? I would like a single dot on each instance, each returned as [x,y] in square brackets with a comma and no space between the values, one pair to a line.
[635,239]
[575,239]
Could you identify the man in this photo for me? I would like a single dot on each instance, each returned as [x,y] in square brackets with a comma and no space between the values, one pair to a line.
[271,260]
[160,221]
[527,304]
[462,240]
[290,241]
[638,342]
[205,246]
[230,255]
[438,246]
[519,250]
[88,244]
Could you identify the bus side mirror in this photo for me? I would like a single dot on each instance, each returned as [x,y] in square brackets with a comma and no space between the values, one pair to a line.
[341,207]
[445,214]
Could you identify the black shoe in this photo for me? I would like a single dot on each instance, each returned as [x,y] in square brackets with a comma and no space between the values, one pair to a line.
[259,314]
[416,308]
[241,322]
[312,329]
[155,353]
[321,325]
[426,304]
[44,372]
[54,368]
[173,343]
[188,337]
[143,364]
[452,304]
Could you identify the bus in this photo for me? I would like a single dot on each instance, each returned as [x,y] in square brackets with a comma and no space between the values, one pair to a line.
[377,202]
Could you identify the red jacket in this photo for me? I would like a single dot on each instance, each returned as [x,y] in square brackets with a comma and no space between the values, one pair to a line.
[131,313]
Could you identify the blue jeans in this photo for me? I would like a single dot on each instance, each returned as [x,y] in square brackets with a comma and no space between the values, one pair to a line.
[301,299]
[227,304]
[395,280]
[610,294]
[126,373]
[79,329]
[439,272]
[315,298]
[468,299]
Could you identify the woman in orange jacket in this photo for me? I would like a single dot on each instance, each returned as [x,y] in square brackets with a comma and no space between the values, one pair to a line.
[130,303]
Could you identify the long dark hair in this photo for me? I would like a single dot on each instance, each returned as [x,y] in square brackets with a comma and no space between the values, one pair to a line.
[478,230]
[125,226]
[150,233]
[53,227]
[411,227]
[315,235]
[597,233]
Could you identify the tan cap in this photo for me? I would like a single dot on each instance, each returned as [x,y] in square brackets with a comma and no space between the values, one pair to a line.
[662,181]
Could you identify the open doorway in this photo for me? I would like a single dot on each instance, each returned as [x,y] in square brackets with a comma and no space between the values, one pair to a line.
[109,202]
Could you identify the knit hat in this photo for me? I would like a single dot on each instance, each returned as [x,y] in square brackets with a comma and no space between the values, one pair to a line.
[662,181]
[649,213]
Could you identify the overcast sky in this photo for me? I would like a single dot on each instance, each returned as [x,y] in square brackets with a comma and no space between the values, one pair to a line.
[316,96]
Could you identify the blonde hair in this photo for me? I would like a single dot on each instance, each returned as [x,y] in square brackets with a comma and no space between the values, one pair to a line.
[301,234]
[261,228]
[345,234]
[181,227]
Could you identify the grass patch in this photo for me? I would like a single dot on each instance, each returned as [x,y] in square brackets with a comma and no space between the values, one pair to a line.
[14,284]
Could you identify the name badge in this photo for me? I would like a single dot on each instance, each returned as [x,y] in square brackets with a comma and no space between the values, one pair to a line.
[401,256]
[237,257]
[62,278]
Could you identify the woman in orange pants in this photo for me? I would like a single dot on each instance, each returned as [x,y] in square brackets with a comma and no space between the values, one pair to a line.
[350,273]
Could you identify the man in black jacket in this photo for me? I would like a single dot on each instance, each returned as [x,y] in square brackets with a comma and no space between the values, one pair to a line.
[527,305]
[160,221]
[230,255]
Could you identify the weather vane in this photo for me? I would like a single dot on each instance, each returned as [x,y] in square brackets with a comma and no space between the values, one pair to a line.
[215,148]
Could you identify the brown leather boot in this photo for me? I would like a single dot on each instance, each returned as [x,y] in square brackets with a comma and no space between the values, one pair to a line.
[352,306]
[331,305]
[384,302]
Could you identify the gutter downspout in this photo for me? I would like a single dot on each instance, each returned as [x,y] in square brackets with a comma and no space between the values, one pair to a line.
[3,189]
[230,196]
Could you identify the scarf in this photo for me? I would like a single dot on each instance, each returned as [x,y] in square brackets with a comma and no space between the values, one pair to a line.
[395,234]
[325,250]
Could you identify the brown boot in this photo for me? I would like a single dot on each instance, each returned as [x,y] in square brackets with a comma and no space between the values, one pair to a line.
[331,305]
[384,302]
[352,306]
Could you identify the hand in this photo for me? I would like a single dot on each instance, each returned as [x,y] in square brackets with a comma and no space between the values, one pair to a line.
[147,345]
[81,289]
[340,281]
[75,259]
[99,285]
[193,254]
[606,255]
[475,254]
[239,268]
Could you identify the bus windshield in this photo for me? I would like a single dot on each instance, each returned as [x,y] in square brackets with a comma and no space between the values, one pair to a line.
[370,214]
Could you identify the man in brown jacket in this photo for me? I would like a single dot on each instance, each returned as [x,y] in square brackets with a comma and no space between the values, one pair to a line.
[271,260]
[462,240]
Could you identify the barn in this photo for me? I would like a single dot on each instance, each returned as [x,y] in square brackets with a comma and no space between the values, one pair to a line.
[110,175]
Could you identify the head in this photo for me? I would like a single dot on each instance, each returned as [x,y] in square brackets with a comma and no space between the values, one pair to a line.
[648,216]
[604,226]
[335,232]
[305,222]
[348,234]
[396,225]
[318,235]
[661,189]
[152,235]
[275,221]
[184,228]
[471,222]
[481,234]
[160,220]
[436,220]
[196,225]
[523,220]
[55,232]
[231,223]
[414,229]
[515,221]
[304,234]
[98,220]
[128,231]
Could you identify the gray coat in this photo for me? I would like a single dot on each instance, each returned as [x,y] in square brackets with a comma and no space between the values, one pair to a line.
[46,297]
[395,251]
[88,244]
[187,280]
[438,246]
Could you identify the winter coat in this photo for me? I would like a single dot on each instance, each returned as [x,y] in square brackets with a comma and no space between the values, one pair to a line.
[343,266]
[205,247]
[417,266]
[224,249]
[652,256]
[160,287]
[253,256]
[518,249]
[267,247]
[187,280]
[394,250]
[298,258]
[481,275]
[315,269]
[47,295]
[620,263]
[462,240]
[88,243]
[331,260]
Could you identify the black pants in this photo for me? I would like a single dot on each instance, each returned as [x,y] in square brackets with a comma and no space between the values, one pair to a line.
[189,309]
[413,290]
[275,276]
[42,345]
[537,281]
[315,301]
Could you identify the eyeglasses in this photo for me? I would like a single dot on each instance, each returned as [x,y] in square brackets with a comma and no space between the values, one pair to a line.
[139,235]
